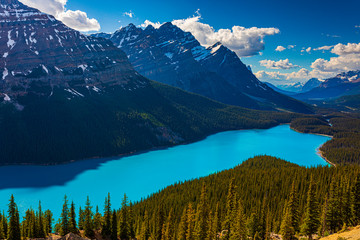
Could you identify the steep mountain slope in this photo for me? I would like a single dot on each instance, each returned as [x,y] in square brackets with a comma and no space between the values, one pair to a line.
[66,96]
[37,49]
[311,84]
[172,56]
[343,84]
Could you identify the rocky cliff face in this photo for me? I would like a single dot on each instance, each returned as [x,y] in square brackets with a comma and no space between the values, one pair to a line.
[36,49]
[172,56]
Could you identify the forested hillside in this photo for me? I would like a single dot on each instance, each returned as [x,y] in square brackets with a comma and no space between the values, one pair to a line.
[84,124]
[260,197]
[344,148]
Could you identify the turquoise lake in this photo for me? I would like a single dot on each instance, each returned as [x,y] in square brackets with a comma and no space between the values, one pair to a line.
[146,173]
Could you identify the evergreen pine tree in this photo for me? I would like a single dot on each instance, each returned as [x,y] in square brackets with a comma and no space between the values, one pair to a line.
[293,206]
[182,229]
[190,223]
[230,207]
[106,228]
[88,223]
[312,218]
[251,225]
[2,231]
[356,201]
[287,228]
[333,209]
[40,223]
[159,222]
[114,226]
[123,222]
[14,232]
[238,227]
[48,218]
[201,216]
[131,221]
[145,228]
[72,219]
[97,219]
[323,223]
[168,227]
[64,225]
[81,219]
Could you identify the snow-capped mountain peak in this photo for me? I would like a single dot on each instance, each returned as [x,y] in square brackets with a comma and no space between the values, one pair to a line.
[52,53]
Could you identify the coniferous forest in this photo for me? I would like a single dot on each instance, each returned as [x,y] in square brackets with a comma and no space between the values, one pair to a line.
[261,197]
[344,148]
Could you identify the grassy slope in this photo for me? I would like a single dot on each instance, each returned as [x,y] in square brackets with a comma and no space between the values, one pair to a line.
[350,234]
[54,129]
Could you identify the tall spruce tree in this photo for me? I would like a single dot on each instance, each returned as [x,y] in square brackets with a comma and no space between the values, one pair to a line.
[168,229]
[312,218]
[159,222]
[123,221]
[14,232]
[88,223]
[114,226]
[333,219]
[293,205]
[238,226]
[145,227]
[190,222]
[72,219]
[40,223]
[106,228]
[287,230]
[182,229]
[97,219]
[356,201]
[81,219]
[201,216]
[230,209]
[48,219]
[64,222]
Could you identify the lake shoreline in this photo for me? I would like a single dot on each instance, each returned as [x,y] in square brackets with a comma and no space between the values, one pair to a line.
[133,153]
[318,151]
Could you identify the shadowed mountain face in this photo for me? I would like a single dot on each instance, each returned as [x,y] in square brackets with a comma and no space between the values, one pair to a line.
[172,56]
[36,49]
[65,96]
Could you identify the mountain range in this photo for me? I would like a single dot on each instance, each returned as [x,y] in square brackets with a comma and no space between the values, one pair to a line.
[172,56]
[347,83]
[295,88]
[69,96]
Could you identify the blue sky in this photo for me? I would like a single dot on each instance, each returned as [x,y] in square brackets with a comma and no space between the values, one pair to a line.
[303,24]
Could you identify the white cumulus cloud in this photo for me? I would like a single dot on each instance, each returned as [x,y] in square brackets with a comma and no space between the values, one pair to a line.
[281,64]
[297,76]
[77,20]
[280,48]
[323,48]
[348,59]
[243,41]
[350,48]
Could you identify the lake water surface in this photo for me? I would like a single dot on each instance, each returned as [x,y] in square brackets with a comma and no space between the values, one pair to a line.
[146,173]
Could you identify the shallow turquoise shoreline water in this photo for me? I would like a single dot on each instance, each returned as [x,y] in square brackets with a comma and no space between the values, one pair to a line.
[146,173]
